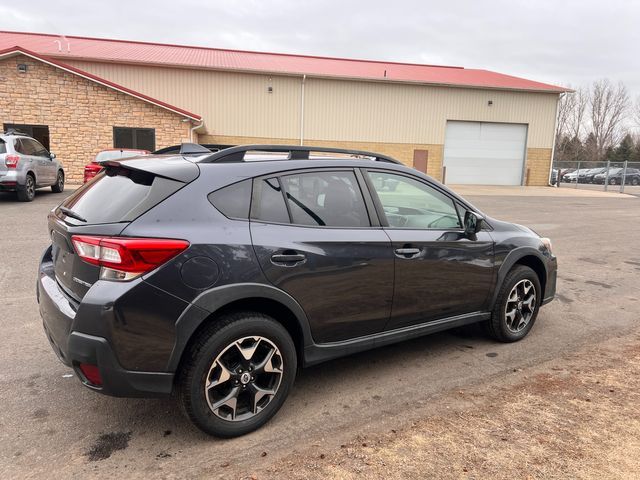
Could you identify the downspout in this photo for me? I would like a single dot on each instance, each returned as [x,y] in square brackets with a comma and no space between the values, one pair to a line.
[193,129]
[553,147]
[304,78]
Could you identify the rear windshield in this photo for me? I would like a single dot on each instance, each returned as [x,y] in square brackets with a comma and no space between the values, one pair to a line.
[3,146]
[118,195]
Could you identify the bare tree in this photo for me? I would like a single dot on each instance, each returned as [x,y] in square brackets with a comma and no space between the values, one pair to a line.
[636,112]
[576,117]
[570,123]
[571,110]
[566,104]
[608,109]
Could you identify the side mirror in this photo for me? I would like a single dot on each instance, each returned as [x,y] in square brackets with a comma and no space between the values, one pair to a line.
[472,223]
[52,156]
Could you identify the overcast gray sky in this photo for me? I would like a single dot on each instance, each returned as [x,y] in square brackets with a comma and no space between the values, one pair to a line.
[563,41]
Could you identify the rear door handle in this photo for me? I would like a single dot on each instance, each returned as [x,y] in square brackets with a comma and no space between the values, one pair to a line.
[288,259]
[407,252]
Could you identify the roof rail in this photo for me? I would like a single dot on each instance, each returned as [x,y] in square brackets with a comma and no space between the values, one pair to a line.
[13,131]
[296,152]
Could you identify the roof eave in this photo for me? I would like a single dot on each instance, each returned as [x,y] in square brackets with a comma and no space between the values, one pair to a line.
[555,90]
[17,50]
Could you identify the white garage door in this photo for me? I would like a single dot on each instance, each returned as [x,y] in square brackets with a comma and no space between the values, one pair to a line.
[483,153]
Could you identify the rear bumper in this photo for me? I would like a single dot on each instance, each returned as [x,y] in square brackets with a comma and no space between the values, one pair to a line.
[9,182]
[58,313]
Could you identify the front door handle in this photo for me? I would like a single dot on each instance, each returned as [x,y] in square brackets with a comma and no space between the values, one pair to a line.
[288,259]
[407,252]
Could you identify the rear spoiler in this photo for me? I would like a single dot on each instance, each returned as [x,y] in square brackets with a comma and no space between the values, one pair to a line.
[172,168]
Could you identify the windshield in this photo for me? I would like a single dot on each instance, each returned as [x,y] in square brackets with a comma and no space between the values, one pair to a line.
[117,154]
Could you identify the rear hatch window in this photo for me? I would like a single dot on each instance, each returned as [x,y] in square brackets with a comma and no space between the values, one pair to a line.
[118,195]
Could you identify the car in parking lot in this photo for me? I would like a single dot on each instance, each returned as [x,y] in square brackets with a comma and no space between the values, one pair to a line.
[616,175]
[589,175]
[26,165]
[584,175]
[93,168]
[215,277]
[572,176]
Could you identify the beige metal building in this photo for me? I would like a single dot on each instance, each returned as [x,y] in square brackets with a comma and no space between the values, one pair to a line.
[484,127]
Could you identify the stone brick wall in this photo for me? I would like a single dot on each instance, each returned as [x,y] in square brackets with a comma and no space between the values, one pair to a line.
[80,113]
[538,164]
[399,151]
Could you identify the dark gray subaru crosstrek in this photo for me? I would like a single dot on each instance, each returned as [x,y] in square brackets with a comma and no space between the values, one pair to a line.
[217,276]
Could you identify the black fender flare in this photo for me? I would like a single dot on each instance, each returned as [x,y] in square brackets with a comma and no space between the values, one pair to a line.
[216,298]
[507,264]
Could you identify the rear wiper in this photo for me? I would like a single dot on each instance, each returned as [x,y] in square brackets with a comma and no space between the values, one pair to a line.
[70,213]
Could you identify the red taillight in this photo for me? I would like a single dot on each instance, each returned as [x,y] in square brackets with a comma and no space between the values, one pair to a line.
[91,373]
[91,171]
[11,161]
[126,258]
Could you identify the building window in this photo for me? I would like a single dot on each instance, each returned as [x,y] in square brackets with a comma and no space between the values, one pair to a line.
[139,138]
[39,132]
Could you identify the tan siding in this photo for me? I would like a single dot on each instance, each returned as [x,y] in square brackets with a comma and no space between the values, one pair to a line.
[414,113]
[238,104]
[229,103]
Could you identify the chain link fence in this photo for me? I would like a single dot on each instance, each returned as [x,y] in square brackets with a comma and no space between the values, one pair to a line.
[621,177]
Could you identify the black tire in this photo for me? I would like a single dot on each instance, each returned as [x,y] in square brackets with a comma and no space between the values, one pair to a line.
[28,192]
[498,327]
[612,181]
[58,187]
[634,181]
[213,341]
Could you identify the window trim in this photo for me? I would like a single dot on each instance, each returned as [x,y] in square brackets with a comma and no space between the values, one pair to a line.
[374,222]
[380,208]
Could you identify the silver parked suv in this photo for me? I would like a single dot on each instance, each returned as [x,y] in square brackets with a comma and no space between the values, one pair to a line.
[26,165]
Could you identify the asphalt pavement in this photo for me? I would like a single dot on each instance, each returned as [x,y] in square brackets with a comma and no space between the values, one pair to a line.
[51,426]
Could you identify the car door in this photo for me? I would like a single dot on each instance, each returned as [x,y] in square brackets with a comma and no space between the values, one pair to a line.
[318,240]
[47,166]
[27,160]
[27,149]
[439,271]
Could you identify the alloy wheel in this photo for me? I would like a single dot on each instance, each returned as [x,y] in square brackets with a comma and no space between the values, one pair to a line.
[30,187]
[244,378]
[521,304]
[60,181]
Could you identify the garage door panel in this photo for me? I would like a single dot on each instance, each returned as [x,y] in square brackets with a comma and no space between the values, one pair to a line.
[484,153]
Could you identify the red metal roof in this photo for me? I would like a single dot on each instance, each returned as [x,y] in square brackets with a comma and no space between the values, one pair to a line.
[120,51]
[15,50]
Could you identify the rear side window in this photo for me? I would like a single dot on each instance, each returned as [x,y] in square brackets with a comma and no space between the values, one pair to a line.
[24,147]
[233,201]
[37,148]
[269,206]
[331,199]
[119,195]
[3,146]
